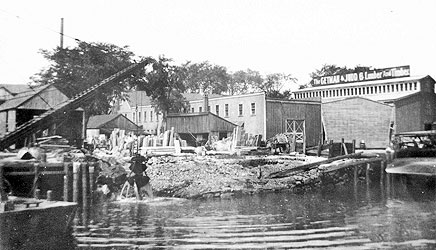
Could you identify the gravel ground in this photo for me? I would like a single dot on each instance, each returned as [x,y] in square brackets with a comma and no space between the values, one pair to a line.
[192,176]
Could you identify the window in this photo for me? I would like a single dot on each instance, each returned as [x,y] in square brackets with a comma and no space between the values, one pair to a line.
[241,109]
[401,87]
[415,85]
[208,108]
[226,110]
[405,87]
[139,116]
[145,116]
[192,110]
[134,116]
[253,108]
[396,87]
[200,109]
[151,116]
[217,109]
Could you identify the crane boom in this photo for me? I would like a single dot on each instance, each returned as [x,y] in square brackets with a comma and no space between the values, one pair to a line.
[47,118]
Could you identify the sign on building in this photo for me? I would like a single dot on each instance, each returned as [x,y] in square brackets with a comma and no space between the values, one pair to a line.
[360,76]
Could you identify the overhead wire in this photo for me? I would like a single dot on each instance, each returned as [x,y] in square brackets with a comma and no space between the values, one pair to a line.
[40,26]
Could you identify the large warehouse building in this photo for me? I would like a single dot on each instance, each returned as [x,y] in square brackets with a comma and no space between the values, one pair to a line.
[371,106]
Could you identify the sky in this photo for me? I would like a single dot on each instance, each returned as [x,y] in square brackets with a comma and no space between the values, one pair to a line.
[270,36]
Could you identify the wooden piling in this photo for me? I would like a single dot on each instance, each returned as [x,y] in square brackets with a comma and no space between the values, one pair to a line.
[3,194]
[35,180]
[91,181]
[368,168]
[49,195]
[85,173]
[355,175]
[37,194]
[76,171]
[382,172]
[67,180]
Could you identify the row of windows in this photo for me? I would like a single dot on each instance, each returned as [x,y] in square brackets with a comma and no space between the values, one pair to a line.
[366,90]
[226,109]
[137,116]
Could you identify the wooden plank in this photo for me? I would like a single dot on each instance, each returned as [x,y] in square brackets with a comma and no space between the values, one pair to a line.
[350,164]
[288,172]
[171,142]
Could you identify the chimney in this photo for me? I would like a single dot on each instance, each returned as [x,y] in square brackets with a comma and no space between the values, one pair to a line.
[206,102]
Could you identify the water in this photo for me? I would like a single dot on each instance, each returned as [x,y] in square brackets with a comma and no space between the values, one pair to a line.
[398,217]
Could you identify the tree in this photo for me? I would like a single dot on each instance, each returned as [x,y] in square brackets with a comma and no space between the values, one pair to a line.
[331,69]
[73,70]
[205,77]
[244,81]
[164,83]
[273,83]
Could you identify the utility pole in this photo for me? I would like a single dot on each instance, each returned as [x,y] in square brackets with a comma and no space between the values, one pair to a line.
[62,33]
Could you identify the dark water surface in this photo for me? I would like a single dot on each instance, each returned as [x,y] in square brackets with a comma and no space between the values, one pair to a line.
[398,217]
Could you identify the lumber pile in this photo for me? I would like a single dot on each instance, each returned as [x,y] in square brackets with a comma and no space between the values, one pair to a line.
[168,142]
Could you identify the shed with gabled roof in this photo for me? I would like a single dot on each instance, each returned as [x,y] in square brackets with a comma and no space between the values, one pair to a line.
[196,128]
[105,124]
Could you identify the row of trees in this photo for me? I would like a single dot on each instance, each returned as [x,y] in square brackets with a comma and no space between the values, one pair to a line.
[73,70]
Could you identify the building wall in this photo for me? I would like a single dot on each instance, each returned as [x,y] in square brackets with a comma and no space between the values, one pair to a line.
[253,120]
[413,112]
[144,116]
[358,118]
[45,100]
[3,123]
[198,123]
[379,90]
[11,120]
[277,112]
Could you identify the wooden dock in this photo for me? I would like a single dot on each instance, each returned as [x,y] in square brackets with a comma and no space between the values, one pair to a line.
[71,181]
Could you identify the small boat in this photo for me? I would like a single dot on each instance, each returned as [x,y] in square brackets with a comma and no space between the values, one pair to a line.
[415,154]
[37,224]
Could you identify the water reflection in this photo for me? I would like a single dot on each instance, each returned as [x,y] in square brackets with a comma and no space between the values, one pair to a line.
[374,217]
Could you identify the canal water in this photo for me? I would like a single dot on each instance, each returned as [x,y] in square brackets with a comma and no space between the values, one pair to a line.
[350,217]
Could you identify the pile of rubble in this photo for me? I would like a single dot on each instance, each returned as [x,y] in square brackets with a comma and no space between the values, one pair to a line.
[207,176]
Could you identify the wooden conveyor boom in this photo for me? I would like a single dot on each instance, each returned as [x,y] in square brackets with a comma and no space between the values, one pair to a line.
[47,118]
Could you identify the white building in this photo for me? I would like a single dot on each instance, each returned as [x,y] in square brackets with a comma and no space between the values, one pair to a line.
[385,85]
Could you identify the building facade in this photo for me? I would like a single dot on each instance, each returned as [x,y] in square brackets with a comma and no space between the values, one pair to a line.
[255,113]
[360,119]
[371,106]
[387,87]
